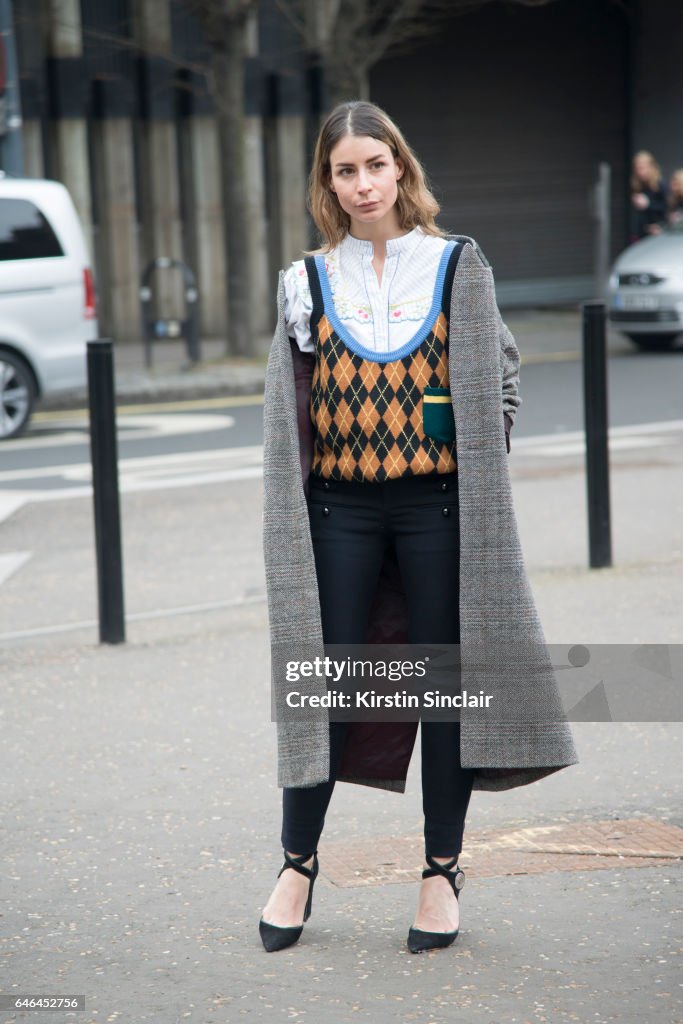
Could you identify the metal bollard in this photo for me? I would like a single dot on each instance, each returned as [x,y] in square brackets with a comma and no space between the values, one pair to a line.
[103,453]
[595,419]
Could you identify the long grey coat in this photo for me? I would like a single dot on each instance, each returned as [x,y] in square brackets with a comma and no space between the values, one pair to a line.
[531,738]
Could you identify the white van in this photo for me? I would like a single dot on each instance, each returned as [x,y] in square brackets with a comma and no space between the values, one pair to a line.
[47,297]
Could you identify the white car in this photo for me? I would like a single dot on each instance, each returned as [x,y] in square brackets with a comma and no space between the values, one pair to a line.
[47,297]
[646,290]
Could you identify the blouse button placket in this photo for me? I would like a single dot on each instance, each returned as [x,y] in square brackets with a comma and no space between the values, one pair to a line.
[377,303]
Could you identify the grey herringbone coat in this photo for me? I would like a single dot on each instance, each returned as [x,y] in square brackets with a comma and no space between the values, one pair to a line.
[531,737]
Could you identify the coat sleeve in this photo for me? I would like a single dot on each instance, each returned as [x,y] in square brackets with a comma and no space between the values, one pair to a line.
[509,361]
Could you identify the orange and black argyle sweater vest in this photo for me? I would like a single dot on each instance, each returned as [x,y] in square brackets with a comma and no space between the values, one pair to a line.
[381,415]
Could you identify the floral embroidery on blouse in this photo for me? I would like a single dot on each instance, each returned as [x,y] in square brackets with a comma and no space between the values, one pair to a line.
[373,310]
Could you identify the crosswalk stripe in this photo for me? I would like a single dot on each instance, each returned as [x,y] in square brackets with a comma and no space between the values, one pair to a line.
[11,562]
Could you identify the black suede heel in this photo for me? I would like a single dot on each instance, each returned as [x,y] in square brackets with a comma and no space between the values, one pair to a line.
[419,941]
[274,936]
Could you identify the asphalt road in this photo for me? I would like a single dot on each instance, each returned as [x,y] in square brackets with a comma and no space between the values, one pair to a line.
[643,388]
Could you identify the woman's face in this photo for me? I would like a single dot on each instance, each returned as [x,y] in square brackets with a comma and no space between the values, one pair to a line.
[643,168]
[364,175]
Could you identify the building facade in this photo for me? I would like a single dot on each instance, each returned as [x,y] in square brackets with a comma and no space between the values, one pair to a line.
[511,109]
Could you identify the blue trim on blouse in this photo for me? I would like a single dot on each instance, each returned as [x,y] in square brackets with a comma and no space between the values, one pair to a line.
[417,338]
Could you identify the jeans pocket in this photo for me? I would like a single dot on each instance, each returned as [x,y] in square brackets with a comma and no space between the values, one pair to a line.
[438,421]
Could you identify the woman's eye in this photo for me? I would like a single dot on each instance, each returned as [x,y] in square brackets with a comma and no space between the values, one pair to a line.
[380,163]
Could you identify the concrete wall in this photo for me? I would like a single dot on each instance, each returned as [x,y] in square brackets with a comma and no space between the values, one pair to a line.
[107,115]
[512,109]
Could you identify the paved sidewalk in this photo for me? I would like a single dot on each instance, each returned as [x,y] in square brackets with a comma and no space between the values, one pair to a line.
[138,781]
[142,816]
[540,335]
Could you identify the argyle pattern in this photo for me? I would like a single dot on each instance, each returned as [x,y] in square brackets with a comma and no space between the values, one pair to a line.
[368,415]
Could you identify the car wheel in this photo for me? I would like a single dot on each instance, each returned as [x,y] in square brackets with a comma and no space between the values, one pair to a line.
[653,342]
[17,395]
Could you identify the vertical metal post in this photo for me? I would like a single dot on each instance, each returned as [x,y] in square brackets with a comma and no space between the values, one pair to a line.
[194,352]
[103,450]
[193,343]
[595,418]
[602,202]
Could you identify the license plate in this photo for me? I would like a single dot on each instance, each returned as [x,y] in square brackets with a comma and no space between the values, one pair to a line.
[641,302]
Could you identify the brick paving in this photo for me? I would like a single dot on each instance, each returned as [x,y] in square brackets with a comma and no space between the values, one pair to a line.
[575,846]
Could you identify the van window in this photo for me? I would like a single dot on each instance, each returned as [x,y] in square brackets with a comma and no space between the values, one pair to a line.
[25,234]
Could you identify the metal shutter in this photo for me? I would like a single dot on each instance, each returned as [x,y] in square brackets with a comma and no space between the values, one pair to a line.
[511,109]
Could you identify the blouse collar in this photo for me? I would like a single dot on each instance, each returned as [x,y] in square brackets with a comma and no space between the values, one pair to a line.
[363,248]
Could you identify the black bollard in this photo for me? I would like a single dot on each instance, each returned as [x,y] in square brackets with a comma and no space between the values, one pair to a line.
[595,418]
[105,479]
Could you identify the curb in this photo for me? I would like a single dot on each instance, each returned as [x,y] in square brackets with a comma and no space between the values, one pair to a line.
[142,390]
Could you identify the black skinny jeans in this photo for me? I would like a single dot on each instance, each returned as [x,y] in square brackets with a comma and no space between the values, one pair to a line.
[351,523]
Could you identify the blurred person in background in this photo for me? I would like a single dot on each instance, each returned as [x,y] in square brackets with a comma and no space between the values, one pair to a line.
[676,197]
[648,196]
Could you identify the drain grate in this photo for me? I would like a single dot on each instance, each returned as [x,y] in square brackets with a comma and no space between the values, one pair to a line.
[574,846]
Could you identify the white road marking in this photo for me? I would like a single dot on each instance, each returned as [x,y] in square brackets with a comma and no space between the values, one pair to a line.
[149,473]
[572,436]
[10,501]
[75,429]
[10,562]
[227,465]
[153,613]
[556,451]
[82,470]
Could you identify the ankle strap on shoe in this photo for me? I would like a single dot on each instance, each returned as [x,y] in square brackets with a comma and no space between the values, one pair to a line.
[298,864]
[456,877]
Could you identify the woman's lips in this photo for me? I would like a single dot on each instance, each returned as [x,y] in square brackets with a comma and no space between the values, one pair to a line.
[367,206]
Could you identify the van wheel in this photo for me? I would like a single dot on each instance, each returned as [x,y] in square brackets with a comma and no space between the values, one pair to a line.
[17,395]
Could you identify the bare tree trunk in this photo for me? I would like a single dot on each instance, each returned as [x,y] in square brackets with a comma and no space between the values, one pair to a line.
[349,37]
[227,64]
[347,82]
[225,25]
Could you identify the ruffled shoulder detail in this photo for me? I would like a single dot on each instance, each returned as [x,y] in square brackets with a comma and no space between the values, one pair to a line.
[296,283]
[298,305]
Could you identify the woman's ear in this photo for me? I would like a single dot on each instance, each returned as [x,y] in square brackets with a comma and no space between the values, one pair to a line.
[400,167]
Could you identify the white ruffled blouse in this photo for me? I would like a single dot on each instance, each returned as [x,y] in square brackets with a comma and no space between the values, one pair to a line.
[382,317]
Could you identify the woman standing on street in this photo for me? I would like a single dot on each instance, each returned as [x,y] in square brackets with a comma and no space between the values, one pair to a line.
[390,393]
[648,196]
